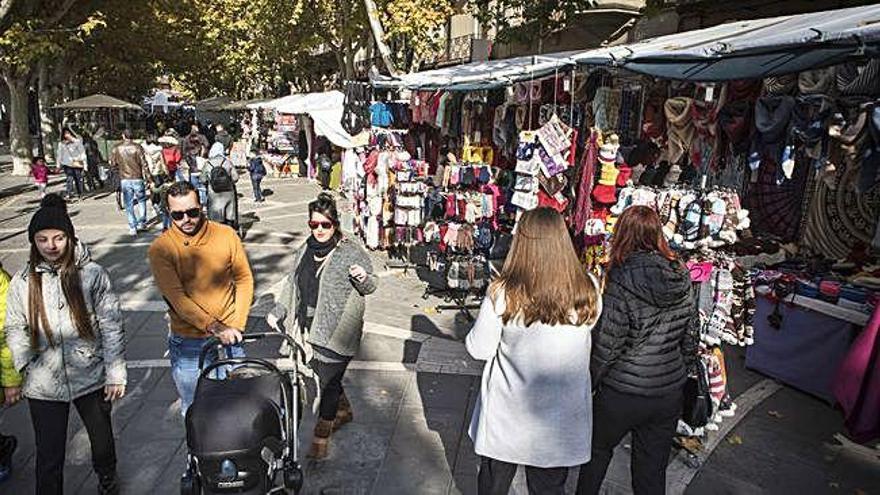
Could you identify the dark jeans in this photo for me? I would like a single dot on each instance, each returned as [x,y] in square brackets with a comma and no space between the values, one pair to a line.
[74,180]
[50,431]
[258,192]
[330,378]
[652,421]
[496,476]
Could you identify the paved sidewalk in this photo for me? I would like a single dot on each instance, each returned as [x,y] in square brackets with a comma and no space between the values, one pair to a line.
[412,385]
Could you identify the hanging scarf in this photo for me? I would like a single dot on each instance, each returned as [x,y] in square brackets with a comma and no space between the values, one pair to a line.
[744,90]
[815,82]
[735,120]
[853,80]
[680,126]
[772,116]
[584,206]
[809,121]
[653,119]
[705,118]
[781,85]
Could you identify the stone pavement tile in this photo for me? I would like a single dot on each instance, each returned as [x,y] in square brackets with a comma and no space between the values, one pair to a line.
[712,481]
[142,467]
[387,349]
[169,479]
[342,478]
[421,453]
[381,391]
[156,420]
[434,390]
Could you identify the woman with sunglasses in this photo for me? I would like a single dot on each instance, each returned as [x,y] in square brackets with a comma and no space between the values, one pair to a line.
[322,303]
[65,330]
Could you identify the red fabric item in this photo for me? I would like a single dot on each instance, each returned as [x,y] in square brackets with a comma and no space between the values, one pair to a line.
[584,205]
[545,199]
[605,194]
[857,384]
[172,158]
[370,166]
[623,175]
[572,150]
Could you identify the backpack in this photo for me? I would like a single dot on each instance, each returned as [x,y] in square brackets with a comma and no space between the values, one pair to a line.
[220,179]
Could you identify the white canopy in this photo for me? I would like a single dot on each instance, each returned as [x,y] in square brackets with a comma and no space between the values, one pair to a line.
[325,110]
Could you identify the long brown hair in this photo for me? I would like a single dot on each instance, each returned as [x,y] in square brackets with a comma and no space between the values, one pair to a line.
[542,279]
[71,286]
[638,229]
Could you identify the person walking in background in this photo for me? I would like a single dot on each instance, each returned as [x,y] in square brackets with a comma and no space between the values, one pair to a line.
[533,331]
[201,270]
[322,306]
[224,138]
[172,158]
[219,177]
[158,173]
[71,156]
[93,163]
[40,173]
[128,161]
[257,171]
[195,148]
[65,330]
[642,347]
[10,381]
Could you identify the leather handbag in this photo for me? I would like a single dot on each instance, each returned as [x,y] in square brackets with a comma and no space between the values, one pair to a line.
[697,406]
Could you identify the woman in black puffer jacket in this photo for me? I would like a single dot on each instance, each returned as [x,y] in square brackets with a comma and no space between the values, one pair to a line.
[645,341]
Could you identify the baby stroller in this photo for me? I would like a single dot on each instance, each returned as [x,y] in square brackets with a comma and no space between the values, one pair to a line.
[241,429]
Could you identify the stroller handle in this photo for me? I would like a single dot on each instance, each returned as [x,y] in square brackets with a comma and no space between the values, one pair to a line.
[214,343]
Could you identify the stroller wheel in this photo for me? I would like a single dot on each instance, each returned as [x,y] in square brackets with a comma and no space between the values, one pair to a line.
[190,484]
[293,476]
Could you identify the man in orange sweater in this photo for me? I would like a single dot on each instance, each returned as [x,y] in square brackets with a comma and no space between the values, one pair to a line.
[202,271]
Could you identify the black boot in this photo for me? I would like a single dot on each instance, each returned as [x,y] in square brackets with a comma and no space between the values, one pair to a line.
[108,485]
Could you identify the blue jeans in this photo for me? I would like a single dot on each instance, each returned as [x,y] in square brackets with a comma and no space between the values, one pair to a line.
[258,192]
[74,182]
[133,190]
[184,355]
[196,181]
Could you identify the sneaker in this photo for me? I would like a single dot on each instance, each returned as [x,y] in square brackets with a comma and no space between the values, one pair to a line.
[132,232]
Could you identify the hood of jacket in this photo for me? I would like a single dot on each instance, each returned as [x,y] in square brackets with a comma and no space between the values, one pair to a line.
[652,279]
[216,151]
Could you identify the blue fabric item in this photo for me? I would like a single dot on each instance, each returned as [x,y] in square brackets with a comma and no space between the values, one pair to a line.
[805,352]
[380,116]
[184,355]
[134,194]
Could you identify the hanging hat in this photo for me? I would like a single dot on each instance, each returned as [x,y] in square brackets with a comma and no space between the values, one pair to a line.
[51,215]
[605,194]
[608,175]
[624,174]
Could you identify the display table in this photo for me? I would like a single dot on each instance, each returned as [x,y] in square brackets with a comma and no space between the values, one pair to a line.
[809,347]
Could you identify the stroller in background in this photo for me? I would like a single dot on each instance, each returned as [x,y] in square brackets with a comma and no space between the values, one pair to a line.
[241,429]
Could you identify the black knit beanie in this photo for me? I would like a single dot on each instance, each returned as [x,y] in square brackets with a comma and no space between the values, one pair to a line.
[51,215]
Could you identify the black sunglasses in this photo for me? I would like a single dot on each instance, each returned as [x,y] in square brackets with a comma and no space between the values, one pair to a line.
[192,213]
[324,225]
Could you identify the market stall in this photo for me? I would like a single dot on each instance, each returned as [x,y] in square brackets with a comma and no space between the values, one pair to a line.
[756,141]
[103,115]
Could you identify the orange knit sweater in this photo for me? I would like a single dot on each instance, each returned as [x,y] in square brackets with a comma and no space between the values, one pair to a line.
[204,278]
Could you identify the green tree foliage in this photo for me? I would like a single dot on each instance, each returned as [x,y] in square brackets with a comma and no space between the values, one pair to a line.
[526,20]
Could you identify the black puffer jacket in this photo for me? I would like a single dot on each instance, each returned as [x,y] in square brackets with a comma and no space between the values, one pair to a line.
[647,334]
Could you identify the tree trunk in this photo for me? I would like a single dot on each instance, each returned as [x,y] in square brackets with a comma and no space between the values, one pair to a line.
[379,35]
[47,123]
[19,134]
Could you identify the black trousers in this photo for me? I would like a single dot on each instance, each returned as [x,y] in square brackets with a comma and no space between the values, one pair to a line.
[652,421]
[496,476]
[330,378]
[50,431]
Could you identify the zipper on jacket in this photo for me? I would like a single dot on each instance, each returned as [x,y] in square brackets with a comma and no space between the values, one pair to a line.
[63,361]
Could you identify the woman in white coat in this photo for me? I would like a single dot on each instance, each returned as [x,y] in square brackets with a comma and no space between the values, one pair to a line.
[533,330]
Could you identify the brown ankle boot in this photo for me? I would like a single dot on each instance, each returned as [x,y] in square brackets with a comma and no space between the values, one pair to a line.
[321,441]
[344,414]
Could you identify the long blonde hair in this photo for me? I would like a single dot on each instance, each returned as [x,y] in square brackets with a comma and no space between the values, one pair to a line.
[542,279]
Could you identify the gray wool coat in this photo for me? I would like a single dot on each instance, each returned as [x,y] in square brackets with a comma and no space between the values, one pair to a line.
[339,315]
[74,367]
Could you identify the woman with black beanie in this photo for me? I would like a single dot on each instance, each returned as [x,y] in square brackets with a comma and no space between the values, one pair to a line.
[322,305]
[65,331]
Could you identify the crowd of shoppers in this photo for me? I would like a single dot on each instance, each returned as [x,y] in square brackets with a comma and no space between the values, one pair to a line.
[573,362]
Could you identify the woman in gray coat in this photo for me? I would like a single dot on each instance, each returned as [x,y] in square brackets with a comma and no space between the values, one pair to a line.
[65,331]
[323,301]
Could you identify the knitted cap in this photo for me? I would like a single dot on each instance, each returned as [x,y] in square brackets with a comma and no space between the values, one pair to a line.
[51,215]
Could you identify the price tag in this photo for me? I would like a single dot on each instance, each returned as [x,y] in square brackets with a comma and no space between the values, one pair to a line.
[566,85]
[710,92]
